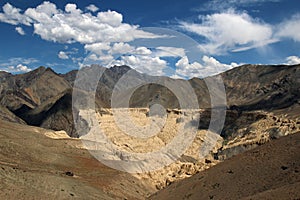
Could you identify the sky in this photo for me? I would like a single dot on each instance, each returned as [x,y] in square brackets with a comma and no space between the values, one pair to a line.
[180,39]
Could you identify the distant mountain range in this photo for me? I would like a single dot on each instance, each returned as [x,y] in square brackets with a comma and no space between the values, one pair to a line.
[43,97]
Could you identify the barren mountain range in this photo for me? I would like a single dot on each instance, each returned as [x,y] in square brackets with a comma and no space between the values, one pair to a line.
[40,96]
[263,104]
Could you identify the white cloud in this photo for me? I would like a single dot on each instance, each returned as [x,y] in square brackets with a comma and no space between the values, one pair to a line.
[293,60]
[20,30]
[92,8]
[97,48]
[77,59]
[290,28]
[106,52]
[73,25]
[229,31]
[72,8]
[69,54]
[143,51]
[92,57]
[63,55]
[18,68]
[22,68]
[18,60]
[217,67]
[186,70]
[12,15]
[210,66]
[104,60]
[144,63]
[104,34]
[111,18]
[121,48]
[16,65]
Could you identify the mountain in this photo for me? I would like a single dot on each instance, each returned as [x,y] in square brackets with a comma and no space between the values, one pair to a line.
[248,87]
[31,89]
[31,97]
[43,97]
[255,87]
[263,105]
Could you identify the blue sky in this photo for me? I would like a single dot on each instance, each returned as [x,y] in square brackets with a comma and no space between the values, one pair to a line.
[187,39]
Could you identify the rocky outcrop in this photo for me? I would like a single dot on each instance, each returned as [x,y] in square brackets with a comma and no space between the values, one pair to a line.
[7,115]
[252,129]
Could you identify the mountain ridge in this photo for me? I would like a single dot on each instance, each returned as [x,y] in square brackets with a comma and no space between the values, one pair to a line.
[248,87]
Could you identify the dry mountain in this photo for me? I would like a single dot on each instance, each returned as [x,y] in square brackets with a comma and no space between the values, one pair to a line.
[43,97]
[263,104]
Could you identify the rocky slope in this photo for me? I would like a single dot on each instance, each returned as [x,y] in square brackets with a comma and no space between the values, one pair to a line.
[31,89]
[37,163]
[255,87]
[270,171]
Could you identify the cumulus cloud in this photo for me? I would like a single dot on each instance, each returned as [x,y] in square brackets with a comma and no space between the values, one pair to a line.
[290,28]
[20,30]
[73,25]
[18,68]
[216,66]
[92,57]
[12,15]
[102,33]
[18,64]
[92,8]
[107,54]
[97,48]
[293,60]
[210,66]
[121,48]
[144,63]
[22,68]
[187,69]
[63,55]
[229,31]
[142,51]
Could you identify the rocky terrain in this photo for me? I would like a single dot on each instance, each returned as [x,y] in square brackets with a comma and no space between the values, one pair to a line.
[241,132]
[270,171]
[37,96]
[37,163]
[40,145]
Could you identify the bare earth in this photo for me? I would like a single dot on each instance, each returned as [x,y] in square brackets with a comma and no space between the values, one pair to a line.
[271,171]
[34,166]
